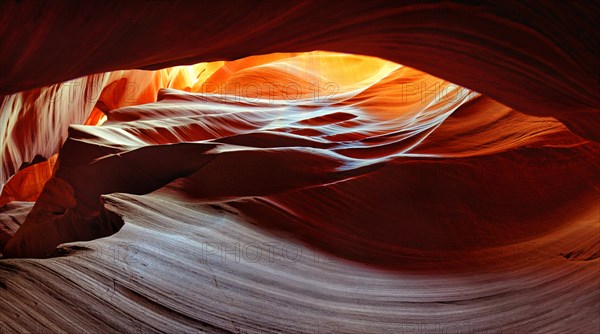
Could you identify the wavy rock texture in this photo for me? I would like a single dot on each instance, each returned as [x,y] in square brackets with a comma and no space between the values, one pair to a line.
[372,207]
[35,122]
[181,266]
[542,60]
[309,192]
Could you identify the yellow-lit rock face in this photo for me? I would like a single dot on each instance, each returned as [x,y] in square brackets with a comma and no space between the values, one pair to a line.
[44,114]
[360,113]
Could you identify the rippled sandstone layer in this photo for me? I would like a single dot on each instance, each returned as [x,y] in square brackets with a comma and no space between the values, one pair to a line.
[301,192]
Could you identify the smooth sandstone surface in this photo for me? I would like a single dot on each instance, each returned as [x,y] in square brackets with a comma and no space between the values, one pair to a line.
[299,192]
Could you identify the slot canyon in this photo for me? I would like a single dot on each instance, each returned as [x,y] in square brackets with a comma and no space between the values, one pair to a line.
[299,167]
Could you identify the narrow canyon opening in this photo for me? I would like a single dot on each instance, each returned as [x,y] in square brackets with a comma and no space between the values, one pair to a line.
[299,168]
